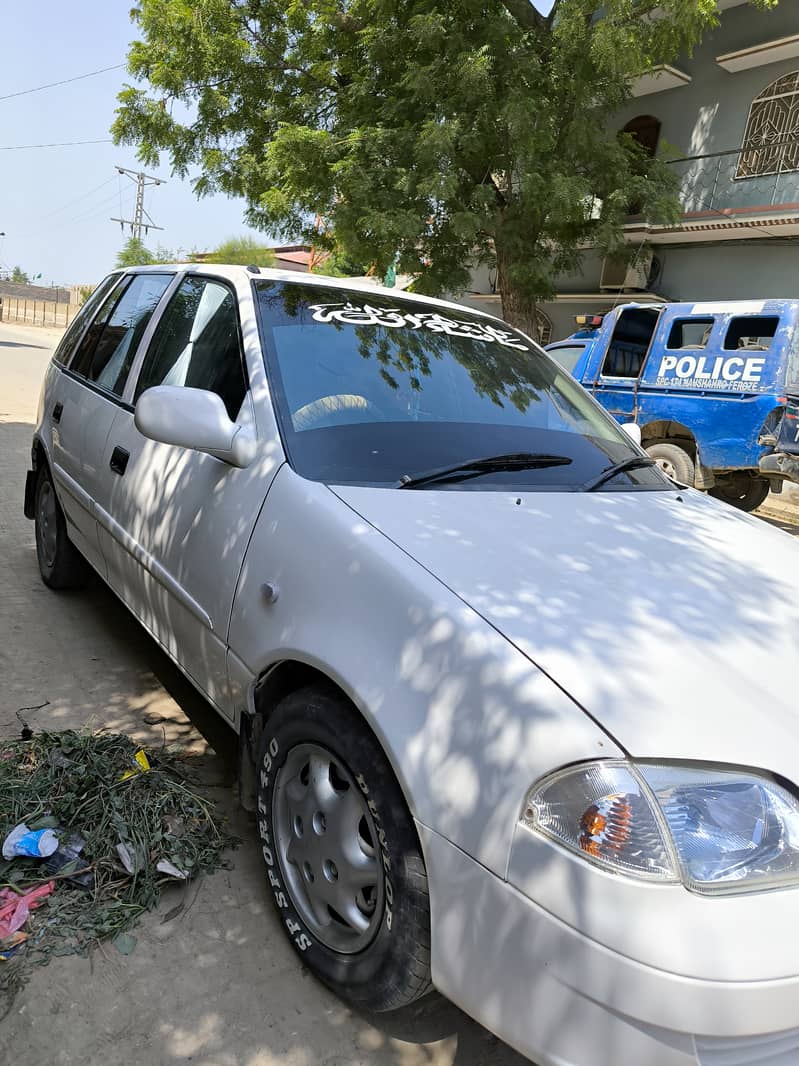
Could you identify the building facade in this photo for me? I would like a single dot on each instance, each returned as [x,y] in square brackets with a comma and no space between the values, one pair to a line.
[730,111]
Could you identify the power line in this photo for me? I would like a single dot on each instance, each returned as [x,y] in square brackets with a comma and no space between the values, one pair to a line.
[86,213]
[55,144]
[100,208]
[66,81]
[77,200]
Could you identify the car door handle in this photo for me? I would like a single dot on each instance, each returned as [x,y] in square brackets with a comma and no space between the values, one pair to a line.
[119,460]
[57,412]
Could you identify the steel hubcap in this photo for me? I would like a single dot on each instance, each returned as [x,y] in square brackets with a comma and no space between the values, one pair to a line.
[327,848]
[46,527]
[667,467]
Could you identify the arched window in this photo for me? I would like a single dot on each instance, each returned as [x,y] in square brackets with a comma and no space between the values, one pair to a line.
[543,327]
[771,141]
[646,130]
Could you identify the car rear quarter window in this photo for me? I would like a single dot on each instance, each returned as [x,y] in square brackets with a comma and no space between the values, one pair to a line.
[106,352]
[197,344]
[69,342]
[755,332]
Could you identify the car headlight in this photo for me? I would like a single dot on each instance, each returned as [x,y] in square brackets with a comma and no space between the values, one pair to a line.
[716,830]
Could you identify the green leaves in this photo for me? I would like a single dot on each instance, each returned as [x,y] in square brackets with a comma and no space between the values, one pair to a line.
[452,131]
[243,250]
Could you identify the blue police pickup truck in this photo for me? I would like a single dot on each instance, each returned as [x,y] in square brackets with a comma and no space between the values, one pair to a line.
[714,387]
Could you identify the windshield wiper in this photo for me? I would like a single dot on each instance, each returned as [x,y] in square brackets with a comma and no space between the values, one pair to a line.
[618,468]
[475,467]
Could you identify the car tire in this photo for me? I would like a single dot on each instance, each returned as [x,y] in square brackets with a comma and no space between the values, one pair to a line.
[745,493]
[60,563]
[343,859]
[673,461]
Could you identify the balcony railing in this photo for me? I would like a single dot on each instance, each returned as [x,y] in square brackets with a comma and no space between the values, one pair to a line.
[747,179]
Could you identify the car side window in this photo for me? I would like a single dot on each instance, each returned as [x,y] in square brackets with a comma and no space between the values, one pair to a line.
[69,342]
[690,333]
[197,344]
[755,332]
[106,352]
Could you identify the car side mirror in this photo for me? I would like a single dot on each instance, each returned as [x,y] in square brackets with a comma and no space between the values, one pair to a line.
[633,430]
[196,419]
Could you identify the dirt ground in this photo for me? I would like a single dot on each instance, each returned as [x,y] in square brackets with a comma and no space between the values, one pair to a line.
[217,985]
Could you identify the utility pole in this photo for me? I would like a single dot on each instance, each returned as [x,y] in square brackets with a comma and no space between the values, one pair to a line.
[137,223]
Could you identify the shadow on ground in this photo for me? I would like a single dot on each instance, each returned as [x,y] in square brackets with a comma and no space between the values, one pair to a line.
[217,984]
[16,344]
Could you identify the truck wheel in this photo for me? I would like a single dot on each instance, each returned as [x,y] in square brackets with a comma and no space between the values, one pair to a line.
[60,563]
[745,493]
[343,860]
[673,461]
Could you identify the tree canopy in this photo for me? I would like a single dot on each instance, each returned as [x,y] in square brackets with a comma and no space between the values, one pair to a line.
[445,131]
[245,251]
[134,253]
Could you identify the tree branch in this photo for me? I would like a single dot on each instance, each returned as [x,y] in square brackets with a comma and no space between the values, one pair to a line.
[525,14]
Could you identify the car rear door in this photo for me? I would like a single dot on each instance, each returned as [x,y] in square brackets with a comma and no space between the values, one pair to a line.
[174,524]
[83,404]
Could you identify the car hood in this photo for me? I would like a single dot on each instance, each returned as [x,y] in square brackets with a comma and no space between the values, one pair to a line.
[670,618]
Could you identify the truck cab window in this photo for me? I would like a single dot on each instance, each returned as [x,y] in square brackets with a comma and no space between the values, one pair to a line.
[690,333]
[755,332]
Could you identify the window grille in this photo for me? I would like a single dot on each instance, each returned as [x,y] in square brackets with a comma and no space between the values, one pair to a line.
[771,141]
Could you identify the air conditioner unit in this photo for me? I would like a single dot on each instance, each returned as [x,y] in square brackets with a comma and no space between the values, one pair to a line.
[618,277]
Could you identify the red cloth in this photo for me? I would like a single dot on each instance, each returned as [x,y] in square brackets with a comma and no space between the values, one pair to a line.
[15,908]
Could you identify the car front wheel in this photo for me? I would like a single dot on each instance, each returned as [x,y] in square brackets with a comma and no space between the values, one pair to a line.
[342,856]
[674,462]
[60,563]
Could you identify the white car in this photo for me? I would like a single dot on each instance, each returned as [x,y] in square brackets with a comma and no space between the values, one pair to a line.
[517,710]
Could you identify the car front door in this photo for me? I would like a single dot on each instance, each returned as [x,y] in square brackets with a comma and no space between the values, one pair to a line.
[174,523]
[88,395]
[616,385]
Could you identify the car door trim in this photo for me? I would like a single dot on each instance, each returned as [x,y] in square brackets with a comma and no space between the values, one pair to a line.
[105,393]
[71,486]
[151,565]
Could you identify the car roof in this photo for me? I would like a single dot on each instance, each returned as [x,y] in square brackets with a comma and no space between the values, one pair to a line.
[243,273]
[707,308]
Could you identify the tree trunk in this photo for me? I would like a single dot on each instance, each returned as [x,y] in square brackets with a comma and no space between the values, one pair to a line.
[517,308]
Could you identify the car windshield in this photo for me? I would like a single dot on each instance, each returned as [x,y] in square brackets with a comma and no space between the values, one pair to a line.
[371,389]
[567,355]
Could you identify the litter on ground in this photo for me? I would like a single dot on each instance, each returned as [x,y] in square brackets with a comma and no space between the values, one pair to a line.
[116,824]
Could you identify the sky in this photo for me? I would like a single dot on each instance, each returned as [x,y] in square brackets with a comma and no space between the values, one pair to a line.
[56,203]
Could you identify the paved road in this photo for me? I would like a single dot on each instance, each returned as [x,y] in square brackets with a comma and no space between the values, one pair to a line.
[216,986]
